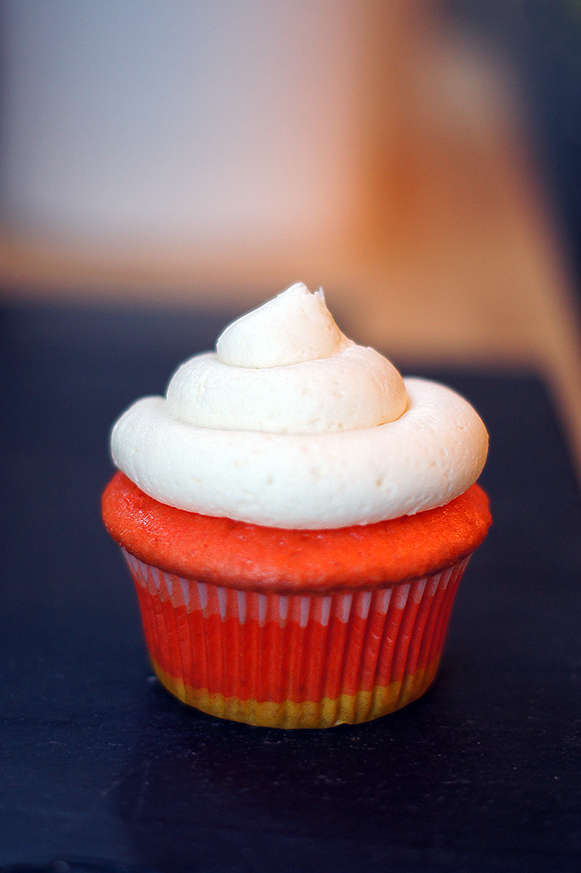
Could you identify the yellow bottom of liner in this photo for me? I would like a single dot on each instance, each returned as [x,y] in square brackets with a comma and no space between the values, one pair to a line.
[327,712]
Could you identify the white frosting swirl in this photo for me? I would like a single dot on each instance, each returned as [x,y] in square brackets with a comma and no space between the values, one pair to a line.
[295,326]
[292,425]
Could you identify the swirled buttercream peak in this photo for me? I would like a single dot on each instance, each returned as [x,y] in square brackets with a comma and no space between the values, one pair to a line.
[290,424]
[287,368]
[295,326]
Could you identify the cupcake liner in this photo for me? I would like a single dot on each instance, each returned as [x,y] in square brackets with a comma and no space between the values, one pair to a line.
[294,660]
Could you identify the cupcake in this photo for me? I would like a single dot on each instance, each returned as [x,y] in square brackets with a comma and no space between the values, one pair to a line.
[296,517]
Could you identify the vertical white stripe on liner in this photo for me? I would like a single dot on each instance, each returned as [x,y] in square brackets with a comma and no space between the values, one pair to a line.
[241,595]
[134,565]
[445,577]
[401,595]
[262,607]
[203,594]
[185,586]
[283,605]
[382,600]
[140,570]
[433,586]
[156,576]
[344,602]
[222,593]
[305,608]
[418,589]
[325,610]
[362,604]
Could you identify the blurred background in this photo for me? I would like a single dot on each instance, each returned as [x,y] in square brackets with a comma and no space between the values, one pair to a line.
[418,159]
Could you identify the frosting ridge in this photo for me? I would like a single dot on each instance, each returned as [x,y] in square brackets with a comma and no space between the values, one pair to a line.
[294,326]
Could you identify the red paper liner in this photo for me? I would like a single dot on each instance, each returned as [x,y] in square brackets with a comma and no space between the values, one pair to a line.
[294,660]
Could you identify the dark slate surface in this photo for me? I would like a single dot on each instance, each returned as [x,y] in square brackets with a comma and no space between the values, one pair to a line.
[100,769]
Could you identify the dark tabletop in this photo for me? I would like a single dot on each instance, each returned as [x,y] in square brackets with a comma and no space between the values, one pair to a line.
[101,769]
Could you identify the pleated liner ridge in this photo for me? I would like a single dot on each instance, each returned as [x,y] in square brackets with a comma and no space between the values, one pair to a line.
[294,660]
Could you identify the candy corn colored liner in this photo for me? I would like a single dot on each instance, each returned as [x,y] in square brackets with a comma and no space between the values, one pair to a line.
[294,660]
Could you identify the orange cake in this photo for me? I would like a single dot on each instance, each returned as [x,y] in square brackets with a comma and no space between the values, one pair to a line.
[265,598]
